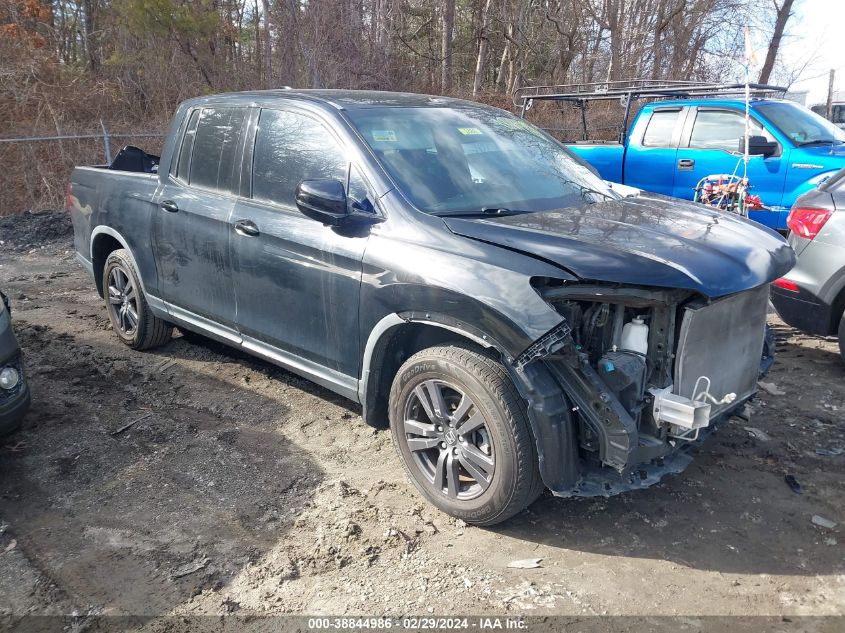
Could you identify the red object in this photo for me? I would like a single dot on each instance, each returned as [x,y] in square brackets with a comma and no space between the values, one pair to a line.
[753,202]
[807,222]
[786,284]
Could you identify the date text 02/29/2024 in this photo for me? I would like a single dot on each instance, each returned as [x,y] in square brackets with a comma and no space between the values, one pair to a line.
[411,623]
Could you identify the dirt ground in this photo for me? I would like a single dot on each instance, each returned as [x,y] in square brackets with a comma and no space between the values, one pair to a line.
[244,489]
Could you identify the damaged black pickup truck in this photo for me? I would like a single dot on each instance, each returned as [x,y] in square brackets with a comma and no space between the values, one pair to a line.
[520,323]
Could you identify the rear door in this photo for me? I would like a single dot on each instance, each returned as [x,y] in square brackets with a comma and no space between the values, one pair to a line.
[191,226]
[297,281]
[710,145]
[652,146]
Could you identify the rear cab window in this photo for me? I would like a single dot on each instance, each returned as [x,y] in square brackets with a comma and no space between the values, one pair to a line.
[179,169]
[209,152]
[660,131]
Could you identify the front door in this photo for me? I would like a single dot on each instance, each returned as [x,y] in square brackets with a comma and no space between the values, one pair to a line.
[710,145]
[193,208]
[649,162]
[297,282]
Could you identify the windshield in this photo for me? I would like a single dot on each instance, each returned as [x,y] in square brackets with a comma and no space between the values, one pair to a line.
[802,126]
[453,161]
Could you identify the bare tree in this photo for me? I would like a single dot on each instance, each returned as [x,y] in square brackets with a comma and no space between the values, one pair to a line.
[483,44]
[448,22]
[268,49]
[782,14]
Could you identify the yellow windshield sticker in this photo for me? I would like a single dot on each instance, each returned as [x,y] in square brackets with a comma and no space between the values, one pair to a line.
[384,135]
[469,131]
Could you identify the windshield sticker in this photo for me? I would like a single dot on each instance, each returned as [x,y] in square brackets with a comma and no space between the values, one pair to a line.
[384,135]
[469,131]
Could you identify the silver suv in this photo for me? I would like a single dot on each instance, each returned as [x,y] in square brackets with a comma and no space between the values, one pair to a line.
[811,297]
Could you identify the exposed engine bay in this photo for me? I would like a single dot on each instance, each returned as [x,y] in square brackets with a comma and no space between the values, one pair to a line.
[649,371]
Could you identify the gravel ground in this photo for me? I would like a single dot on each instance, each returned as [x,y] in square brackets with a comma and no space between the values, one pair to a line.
[241,488]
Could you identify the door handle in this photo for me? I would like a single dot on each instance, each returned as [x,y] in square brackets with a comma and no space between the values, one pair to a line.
[686,163]
[169,206]
[246,228]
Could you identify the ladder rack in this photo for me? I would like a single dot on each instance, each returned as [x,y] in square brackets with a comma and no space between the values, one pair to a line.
[629,90]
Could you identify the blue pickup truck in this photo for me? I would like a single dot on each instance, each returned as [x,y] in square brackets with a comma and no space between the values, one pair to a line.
[674,144]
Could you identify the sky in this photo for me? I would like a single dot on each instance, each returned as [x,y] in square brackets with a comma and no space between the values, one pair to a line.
[815,34]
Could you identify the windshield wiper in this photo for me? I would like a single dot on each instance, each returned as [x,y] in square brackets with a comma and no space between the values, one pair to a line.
[821,141]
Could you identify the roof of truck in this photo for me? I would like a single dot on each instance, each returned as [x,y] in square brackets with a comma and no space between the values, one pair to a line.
[705,101]
[341,99]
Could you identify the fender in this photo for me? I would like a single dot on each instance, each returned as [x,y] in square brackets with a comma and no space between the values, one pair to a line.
[548,408]
[158,306]
[393,320]
[102,229]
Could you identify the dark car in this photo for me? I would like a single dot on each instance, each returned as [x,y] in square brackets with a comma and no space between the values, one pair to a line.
[811,297]
[14,392]
[454,270]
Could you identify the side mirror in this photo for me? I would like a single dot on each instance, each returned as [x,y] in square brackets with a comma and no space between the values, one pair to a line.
[759,146]
[325,201]
[322,200]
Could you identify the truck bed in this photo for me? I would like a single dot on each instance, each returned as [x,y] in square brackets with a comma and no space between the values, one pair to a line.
[606,157]
[107,200]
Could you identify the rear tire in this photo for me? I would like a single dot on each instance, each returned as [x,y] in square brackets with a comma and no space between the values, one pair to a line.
[462,431]
[128,311]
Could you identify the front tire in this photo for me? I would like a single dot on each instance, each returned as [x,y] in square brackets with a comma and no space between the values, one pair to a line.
[768,358]
[128,311]
[842,338]
[462,431]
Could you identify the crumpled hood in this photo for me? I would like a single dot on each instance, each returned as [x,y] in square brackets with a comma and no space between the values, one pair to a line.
[645,240]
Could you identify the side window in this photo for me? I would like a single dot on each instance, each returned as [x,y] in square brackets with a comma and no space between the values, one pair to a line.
[290,148]
[215,148]
[357,192]
[660,128]
[180,169]
[720,129]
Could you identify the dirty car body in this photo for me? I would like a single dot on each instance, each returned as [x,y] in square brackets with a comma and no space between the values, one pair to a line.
[456,224]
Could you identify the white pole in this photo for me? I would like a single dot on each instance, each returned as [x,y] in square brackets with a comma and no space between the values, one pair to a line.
[748,54]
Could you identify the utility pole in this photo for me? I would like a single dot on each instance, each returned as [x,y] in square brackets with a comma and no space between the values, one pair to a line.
[829,108]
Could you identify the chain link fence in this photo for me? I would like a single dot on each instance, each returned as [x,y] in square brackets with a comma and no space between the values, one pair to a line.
[34,170]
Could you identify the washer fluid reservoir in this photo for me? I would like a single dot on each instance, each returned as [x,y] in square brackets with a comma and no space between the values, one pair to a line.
[635,336]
